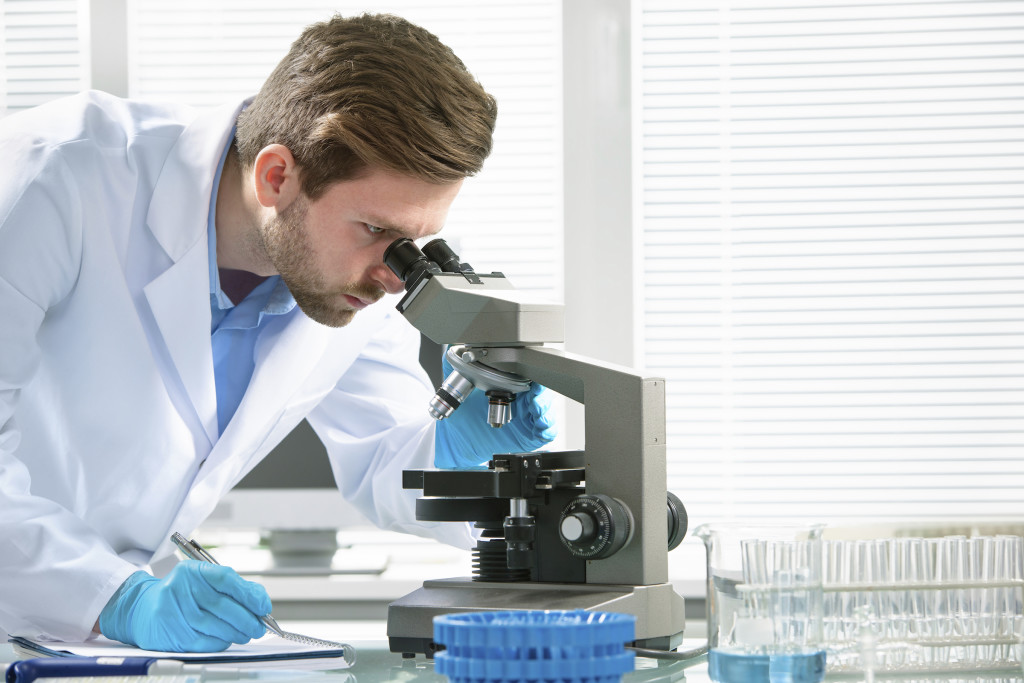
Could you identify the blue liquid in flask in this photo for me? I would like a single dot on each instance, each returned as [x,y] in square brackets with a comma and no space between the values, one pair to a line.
[744,667]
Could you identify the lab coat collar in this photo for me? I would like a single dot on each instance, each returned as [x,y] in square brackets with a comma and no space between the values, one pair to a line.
[180,204]
[179,297]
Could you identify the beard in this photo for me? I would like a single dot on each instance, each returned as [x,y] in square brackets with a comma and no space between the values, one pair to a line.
[284,241]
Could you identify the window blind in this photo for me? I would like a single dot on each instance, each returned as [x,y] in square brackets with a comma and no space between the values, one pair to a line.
[43,54]
[833,250]
[509,217]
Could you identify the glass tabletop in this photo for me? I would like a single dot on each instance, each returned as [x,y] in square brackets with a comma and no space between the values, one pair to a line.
[375,663]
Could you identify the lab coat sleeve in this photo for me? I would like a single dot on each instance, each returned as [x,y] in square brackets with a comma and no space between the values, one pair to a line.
[374,424]
[56,574]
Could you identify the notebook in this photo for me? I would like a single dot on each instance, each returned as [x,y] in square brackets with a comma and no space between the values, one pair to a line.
[270,649]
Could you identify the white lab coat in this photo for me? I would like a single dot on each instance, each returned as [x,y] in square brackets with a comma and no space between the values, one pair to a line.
[108,419]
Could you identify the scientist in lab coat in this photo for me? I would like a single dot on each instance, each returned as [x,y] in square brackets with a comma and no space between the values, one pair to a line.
[179,289]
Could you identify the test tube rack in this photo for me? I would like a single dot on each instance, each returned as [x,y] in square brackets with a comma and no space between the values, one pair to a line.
[924,604]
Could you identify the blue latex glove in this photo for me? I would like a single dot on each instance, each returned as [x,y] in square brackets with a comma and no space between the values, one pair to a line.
[466,439]
[197,607]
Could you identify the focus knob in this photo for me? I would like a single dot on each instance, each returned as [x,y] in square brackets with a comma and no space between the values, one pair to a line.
[677,521]
[577,527]
[595,526]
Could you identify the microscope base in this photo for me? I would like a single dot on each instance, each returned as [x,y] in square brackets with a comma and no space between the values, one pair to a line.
[658,609]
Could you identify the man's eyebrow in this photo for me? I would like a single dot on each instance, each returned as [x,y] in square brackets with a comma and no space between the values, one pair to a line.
[391,227]
[379,222]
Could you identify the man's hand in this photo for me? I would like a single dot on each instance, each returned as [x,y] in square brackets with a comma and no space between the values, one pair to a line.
[466,439]
[198,607]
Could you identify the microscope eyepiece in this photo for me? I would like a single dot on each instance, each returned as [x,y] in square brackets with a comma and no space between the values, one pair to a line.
[440,253]
[407,262]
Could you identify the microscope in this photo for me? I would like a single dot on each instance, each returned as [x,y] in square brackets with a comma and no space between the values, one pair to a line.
[587,529]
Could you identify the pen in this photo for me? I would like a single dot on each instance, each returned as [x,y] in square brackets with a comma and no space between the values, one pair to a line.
[195,551]
[149,669]
[28,670]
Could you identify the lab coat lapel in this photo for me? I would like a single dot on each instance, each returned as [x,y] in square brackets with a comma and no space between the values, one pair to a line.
[180,301]
[292,350]
[285,355]
[179,296]
[285,386]
[291,376]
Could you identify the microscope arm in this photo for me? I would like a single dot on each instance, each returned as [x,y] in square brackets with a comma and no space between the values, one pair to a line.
[625,447]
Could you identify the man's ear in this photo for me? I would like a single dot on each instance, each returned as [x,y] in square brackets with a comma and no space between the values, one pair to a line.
[275,177]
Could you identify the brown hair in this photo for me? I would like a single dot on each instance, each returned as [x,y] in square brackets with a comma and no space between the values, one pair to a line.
[374,90]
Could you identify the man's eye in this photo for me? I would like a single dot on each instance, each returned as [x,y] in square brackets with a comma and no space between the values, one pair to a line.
[373,229]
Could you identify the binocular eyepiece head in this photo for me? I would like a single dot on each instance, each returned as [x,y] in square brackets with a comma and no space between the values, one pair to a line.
[407,262]
[410,264]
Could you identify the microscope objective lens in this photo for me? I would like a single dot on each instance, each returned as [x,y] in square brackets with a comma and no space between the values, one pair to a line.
[499,409]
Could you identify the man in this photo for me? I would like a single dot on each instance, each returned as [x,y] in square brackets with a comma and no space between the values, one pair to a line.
[179,290]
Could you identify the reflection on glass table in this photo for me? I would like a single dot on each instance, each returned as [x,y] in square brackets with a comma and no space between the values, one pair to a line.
[374,663]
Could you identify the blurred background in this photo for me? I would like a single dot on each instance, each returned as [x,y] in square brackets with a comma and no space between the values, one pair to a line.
[808,218]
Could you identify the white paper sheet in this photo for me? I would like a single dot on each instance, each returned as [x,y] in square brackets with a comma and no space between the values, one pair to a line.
[268,651]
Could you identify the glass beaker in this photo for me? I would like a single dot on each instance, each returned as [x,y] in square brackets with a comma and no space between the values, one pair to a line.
[764,603]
